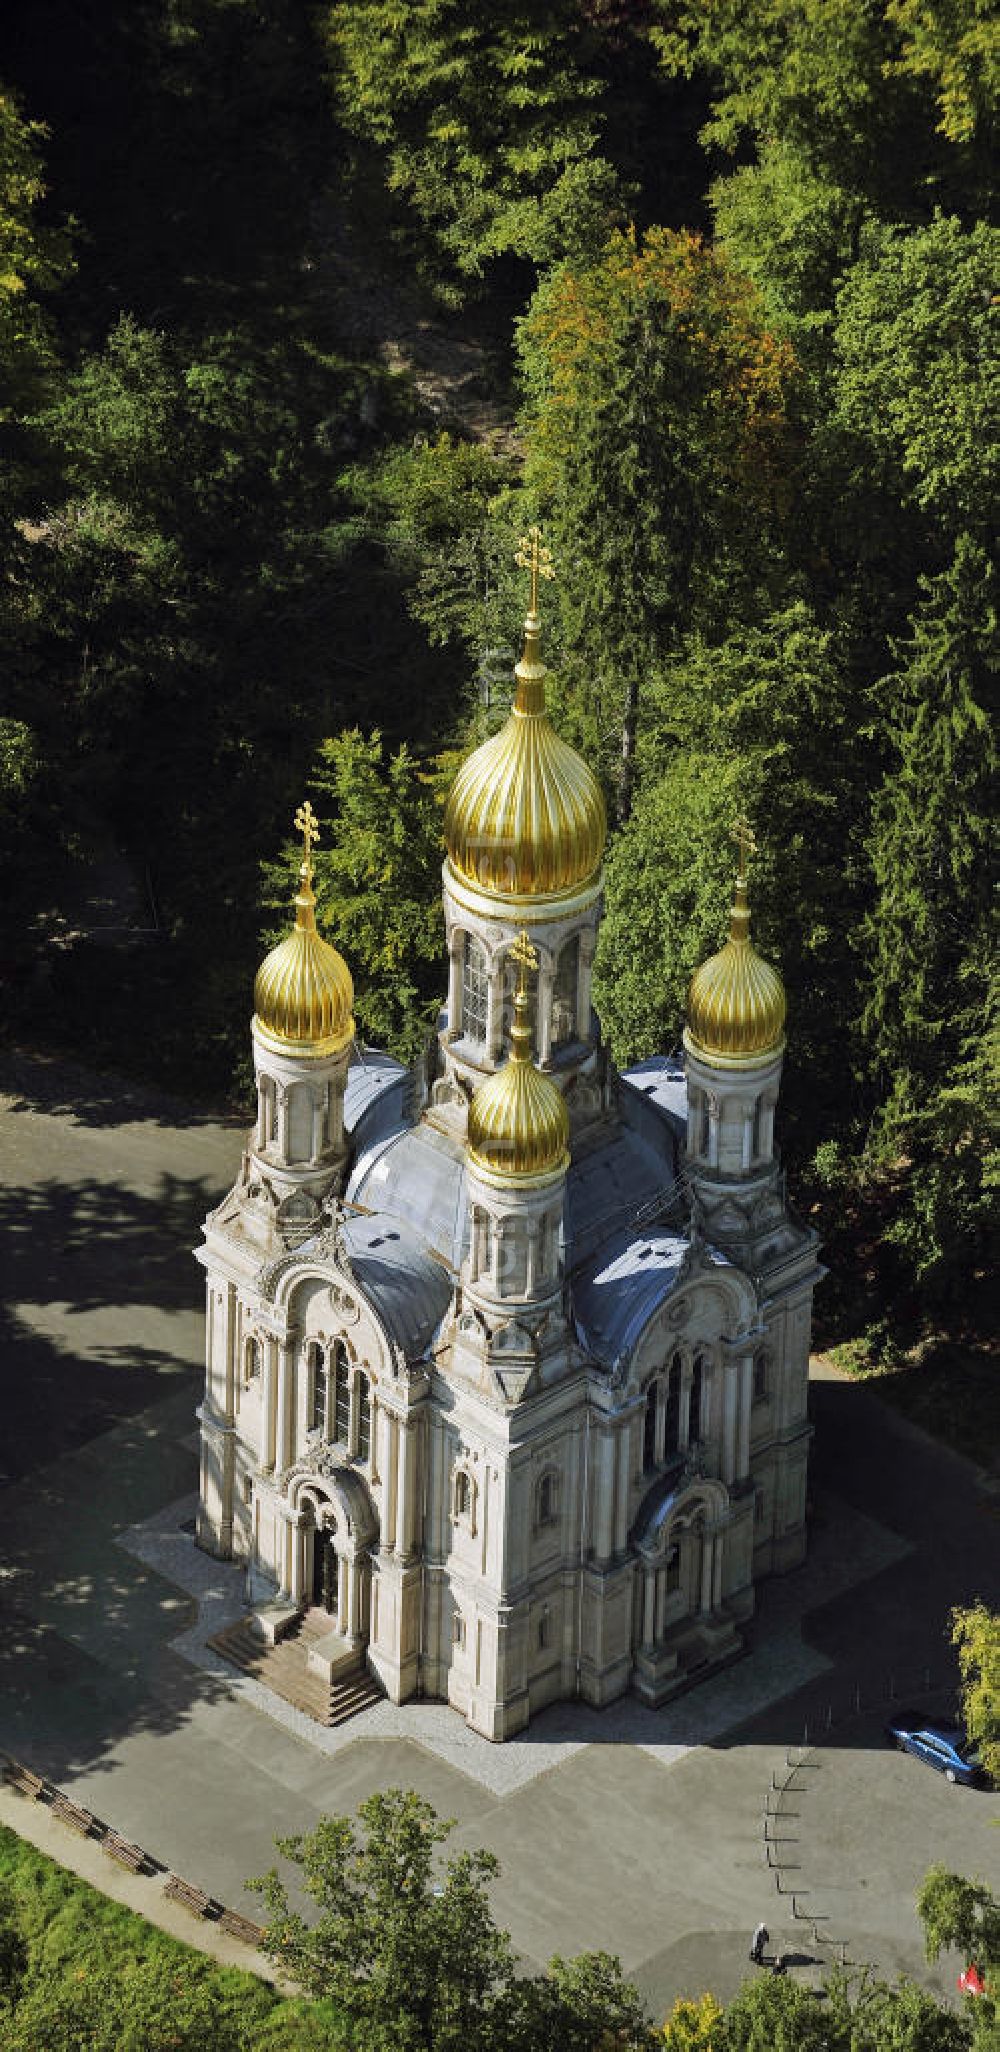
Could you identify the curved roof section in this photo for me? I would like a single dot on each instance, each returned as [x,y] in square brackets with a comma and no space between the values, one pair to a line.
[409,1289]
[618,1290]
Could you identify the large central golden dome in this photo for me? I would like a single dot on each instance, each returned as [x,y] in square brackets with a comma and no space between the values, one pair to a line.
[303,994]
[736,1001]
[518,1121]
[525,817]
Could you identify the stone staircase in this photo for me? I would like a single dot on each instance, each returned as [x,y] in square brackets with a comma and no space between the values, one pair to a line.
[285,1669]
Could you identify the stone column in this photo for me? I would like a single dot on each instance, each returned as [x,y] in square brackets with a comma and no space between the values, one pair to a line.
[284,1449]
[684,1424]
[407,1509]
[649,1609]
[390,1478]
[343,1595]
[624,1478]
[583,984]
[717,1571]
[455,988]
[729,1403]
[543,1023]
[297,1576]
[269,1393]
[317,1130]
[659,1437]
[531,1257]
[767,1130]
[747,1135]
[282,1121]
[494,1013]
[745,1372]
[603,1488]
[707,1565]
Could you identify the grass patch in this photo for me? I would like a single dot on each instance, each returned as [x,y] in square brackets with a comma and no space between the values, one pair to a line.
[97,1976]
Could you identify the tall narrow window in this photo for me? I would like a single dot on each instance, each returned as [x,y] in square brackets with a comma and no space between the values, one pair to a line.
[364,1419]
[758,1127]
[649,1429]
[475,984]
[320,1388]
[760,1379]
[463,1494]
[251,1360]
[547,1500]
[697,1396]
[564,993]
[341,1395]
[705,1141]
[671,1436]
[673,1569]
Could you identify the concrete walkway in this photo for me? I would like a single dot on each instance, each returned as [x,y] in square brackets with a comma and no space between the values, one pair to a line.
[634,1831]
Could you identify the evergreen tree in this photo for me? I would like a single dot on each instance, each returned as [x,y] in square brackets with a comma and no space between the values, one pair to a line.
[931,938]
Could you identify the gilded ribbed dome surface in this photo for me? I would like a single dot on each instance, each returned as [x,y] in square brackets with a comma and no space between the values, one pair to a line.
[526,816]
[736,1003]
[518,1122]
[303,994]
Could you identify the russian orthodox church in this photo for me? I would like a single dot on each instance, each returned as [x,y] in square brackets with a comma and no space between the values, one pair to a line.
[507,1364]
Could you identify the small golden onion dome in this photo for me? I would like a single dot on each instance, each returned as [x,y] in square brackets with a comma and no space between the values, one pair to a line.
[736,1001]
[518,1122]
[525,816]
[303,994]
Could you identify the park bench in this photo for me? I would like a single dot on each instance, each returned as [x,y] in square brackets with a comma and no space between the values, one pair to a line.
[190,1897]
[22,1778]
[127,1854]
[72,1813]
[241,1927]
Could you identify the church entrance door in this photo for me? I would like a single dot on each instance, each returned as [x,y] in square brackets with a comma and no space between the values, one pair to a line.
[324,1572]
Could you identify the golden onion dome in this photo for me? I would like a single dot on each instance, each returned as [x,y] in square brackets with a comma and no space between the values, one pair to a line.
[736,1001]
[303,993]
[518,1122]
[525,817]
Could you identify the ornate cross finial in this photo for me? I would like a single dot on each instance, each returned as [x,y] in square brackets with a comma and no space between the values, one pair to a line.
[526,956]
[307,825]
[532,556]
[742,833]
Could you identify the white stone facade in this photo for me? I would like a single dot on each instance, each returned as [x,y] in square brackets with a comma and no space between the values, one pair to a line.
[522,1443]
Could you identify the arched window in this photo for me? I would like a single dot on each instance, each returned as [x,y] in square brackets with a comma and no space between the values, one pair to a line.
[364,1418]
[341,1395]
[547,1498]
[457,1628]
[649,1429]
[564,993]
[463,1494]
[697,1401]
[671,1436]
[673,1569]
[705,1138]
[320,1380]
[475,985]
[251,1360]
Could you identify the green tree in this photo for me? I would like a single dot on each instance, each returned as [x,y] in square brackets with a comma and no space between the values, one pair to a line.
[656,419]
[930,939]
[965,1916]
[378,884]
[580,2005]
[775,2015]
[955,44]
[690,2026]
[489,121]
[975,1630]
[407,1948]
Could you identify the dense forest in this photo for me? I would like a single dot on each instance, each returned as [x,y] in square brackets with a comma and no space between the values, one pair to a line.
[306,312]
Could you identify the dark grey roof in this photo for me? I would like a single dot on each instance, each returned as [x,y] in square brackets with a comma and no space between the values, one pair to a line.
[616,1291]
[408,1287]
[661,1080]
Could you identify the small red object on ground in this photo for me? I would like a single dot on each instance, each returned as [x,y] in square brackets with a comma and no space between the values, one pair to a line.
[971,1982]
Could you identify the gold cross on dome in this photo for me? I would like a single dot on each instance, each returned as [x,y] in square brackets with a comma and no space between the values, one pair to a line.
[742,833]
[532,556]
[526,956]
[307,825]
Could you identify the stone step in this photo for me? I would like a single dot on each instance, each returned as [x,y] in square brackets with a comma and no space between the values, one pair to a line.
[284,1668]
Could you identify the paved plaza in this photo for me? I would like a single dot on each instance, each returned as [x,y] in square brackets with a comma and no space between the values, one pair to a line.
[637,1831]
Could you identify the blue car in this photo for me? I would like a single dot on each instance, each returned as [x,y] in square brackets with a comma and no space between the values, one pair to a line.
[939,1741]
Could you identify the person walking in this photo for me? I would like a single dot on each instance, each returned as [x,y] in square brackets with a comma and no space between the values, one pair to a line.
[757,1944]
